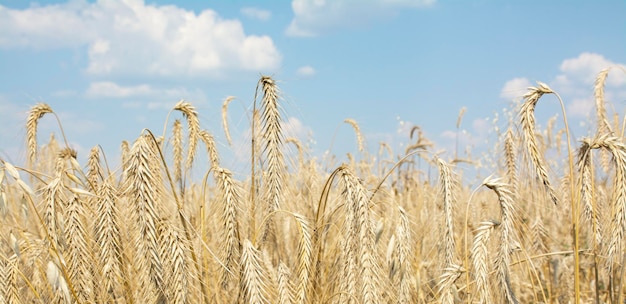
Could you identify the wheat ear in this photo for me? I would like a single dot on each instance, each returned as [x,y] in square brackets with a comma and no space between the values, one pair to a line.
[77,252]
[177,150]
[225,118]
[503,259]
[9,274]
[193,126]
[254,281]
[273,140]
[230,198]
[209,142]
[174,255]
[403,252]
[305,251]
[361,248]
[527,121]
[285,287]
[446,283]
[446,182]
[357,131]
[510,153]
[144,191]
[94,171]
[618,207]
[604,127]
[36,112]
[108,237]
[480,257]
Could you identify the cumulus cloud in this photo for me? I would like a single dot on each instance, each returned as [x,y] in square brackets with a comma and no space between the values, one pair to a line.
[515,88]
[305,71]
[132,37]
[314,17]
[256,13]
[585,68]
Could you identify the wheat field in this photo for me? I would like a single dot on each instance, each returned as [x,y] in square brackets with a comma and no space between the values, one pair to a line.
[542,228]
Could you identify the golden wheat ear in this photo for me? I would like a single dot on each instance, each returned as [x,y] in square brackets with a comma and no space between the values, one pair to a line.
[527,121]
[36,112]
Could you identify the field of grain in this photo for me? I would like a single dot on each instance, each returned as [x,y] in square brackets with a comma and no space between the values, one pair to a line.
[542,228]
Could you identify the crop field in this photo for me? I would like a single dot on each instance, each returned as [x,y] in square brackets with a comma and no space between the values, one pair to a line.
[546,226]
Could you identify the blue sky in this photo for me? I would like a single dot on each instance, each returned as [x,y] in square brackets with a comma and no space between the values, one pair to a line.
[110,68]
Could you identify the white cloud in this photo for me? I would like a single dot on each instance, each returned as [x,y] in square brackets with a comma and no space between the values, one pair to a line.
[314,17]
[305,71]
[157,96]
[580,107]
[111,89]
[256,13]
[576,81]
[515,88]
[586,67]
[132,37]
